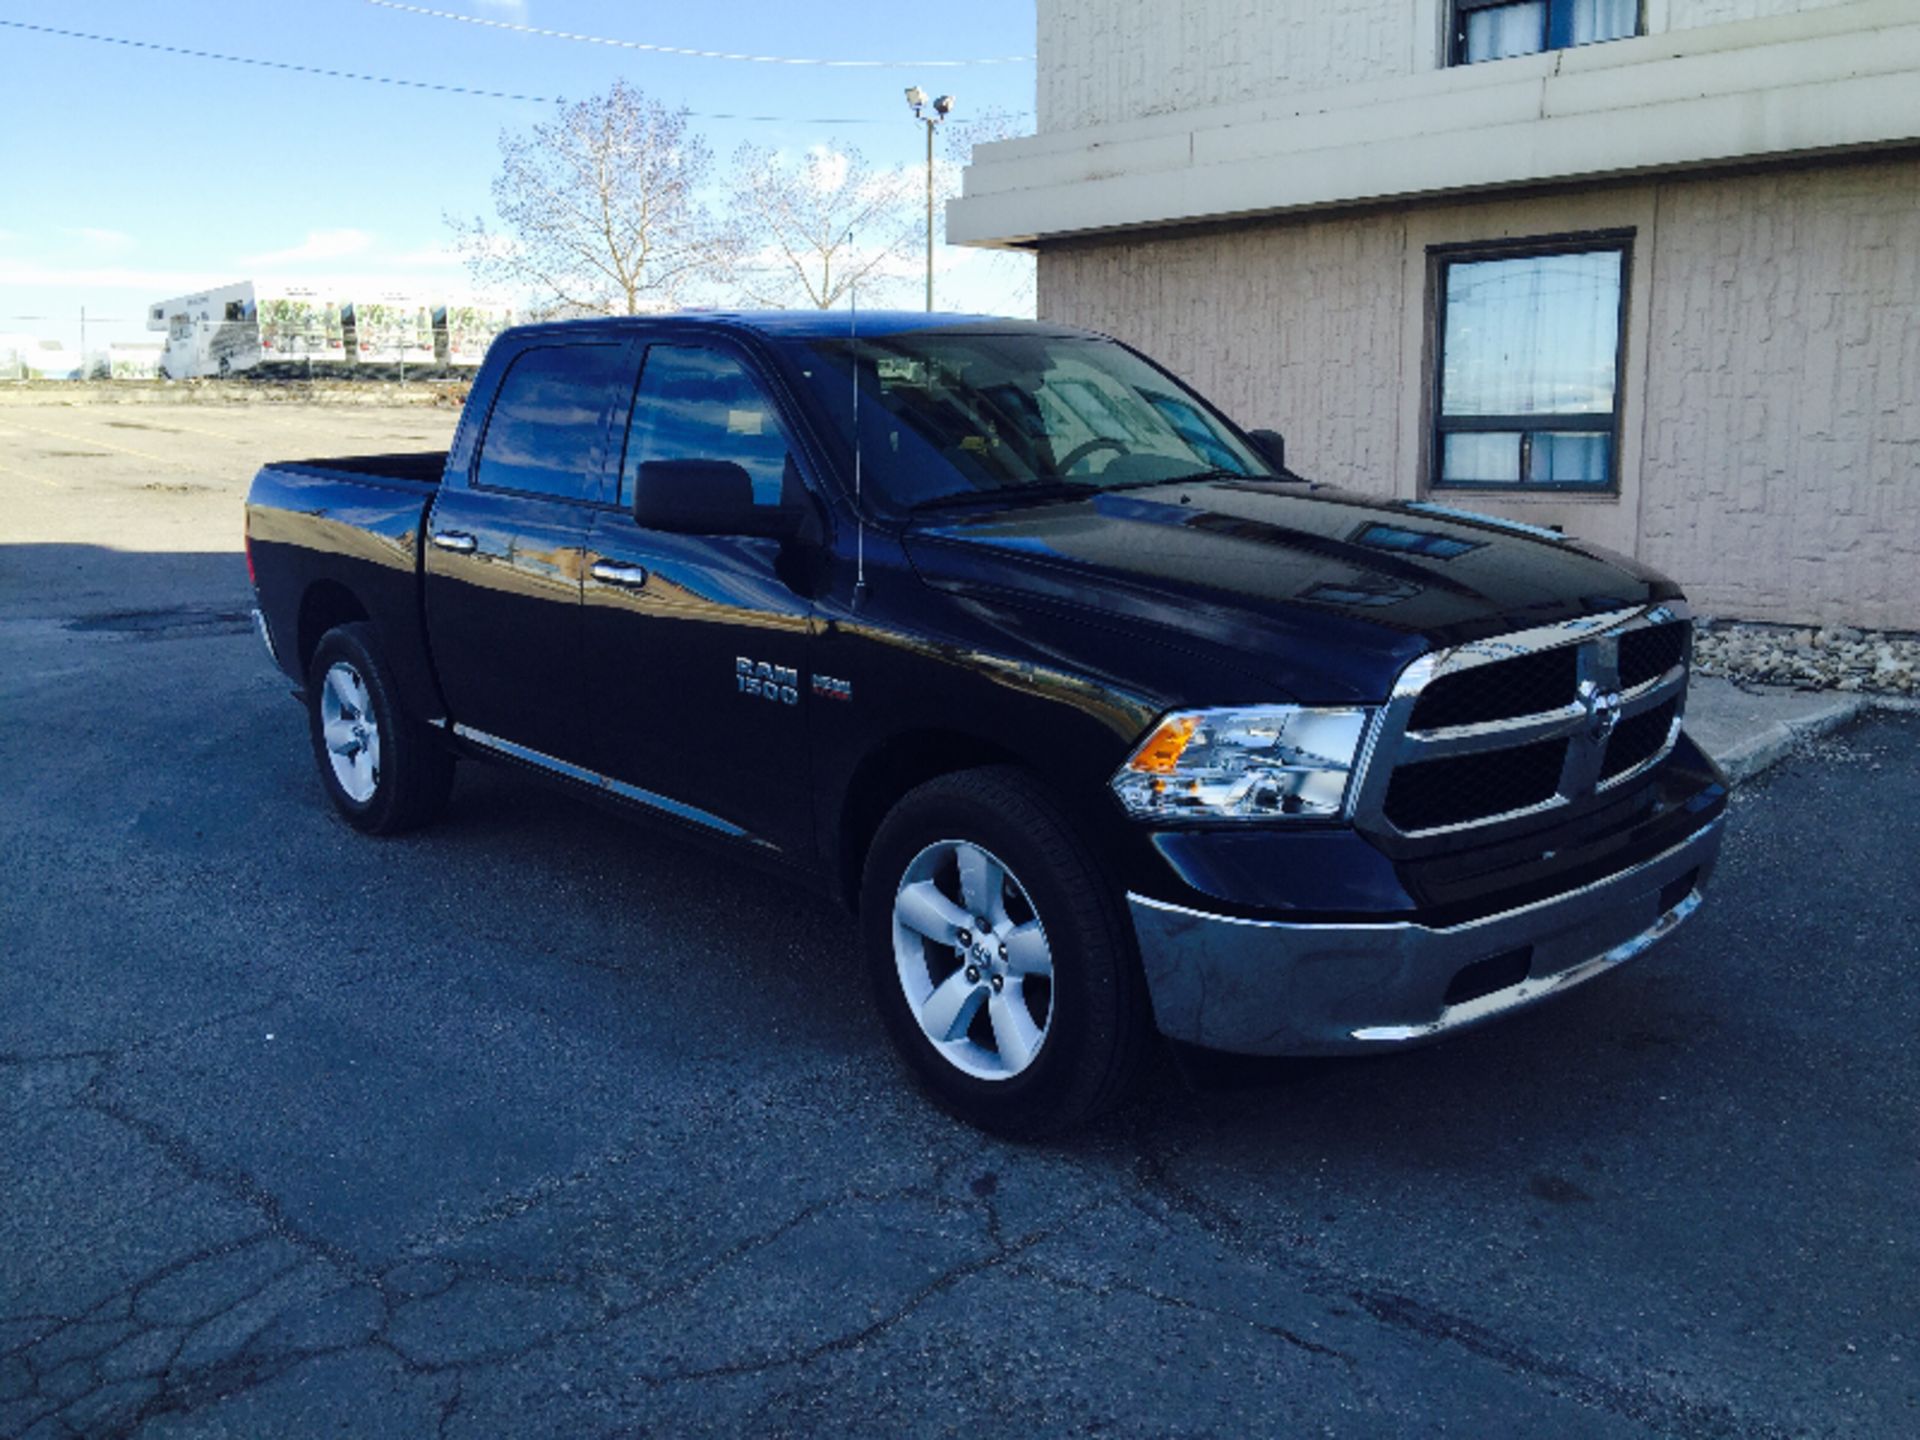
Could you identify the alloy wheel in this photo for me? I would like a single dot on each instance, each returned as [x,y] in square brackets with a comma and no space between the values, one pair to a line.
[973,959]
[351,732]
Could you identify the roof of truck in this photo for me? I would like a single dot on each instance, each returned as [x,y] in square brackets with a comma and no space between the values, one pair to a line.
[822,324]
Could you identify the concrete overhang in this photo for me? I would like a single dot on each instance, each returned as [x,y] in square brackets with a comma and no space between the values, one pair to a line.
[1843,78]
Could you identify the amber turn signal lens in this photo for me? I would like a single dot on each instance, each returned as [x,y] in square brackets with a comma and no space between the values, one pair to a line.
[1161,754]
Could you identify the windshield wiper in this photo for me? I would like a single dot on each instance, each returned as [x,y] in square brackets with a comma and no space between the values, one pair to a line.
[1073,490]
[1203,477]
[1009,495]
[1065,490]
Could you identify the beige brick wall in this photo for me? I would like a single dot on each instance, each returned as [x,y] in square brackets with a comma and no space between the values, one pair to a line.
[1112,60]
[1689,14]
[1771,424]
[1287,326]
[1107,61]
[1781,469]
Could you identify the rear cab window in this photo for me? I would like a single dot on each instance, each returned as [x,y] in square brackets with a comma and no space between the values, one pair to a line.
[544,433]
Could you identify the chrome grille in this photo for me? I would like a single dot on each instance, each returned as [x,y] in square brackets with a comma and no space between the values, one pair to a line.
[1638,740]
[1526,686]
[1433,794]
[1648,653]
[1497,731]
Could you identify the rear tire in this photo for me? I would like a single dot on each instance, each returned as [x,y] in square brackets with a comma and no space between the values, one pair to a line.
[384,771]
[1037,1021]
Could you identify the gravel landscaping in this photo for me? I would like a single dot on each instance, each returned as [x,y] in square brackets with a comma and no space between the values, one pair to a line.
[1831,658]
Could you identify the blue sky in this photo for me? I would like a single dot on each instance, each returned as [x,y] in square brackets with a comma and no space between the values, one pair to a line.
[128,175]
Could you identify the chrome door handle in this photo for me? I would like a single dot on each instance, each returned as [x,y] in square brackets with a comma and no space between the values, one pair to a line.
[631,576]
[455,540]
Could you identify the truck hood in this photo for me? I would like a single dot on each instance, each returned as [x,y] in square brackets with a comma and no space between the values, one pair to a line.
[1324,595]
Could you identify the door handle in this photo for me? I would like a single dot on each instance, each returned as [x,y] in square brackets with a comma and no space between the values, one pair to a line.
[457,541]
[631,576]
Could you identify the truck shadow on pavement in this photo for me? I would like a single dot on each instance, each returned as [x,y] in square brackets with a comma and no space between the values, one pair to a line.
[93,586]
[538,1101]
[561,881]
[765,938]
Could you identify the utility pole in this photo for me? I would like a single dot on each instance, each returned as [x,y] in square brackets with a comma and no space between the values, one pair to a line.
[942,107]
[929,217]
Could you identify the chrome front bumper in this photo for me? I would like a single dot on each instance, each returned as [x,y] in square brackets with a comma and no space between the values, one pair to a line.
[1262,987]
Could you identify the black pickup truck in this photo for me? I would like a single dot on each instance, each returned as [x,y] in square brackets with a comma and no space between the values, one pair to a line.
[1100,719]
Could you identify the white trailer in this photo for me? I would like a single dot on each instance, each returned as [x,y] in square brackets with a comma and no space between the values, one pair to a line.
[393,327]
[233,328]
[133,362]
[462,332]
[28,357]
[229,329]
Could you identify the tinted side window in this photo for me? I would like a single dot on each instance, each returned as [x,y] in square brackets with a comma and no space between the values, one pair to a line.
[544,432]
[696,404]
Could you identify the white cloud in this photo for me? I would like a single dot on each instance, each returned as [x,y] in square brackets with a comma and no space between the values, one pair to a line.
[102,241]
[445,256]
[394,274]
[829,168]
[108,277]
[992,282]
[319,245]
[429,257]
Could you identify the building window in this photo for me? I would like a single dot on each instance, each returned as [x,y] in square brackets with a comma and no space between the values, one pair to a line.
[1527,383]
[1497,29]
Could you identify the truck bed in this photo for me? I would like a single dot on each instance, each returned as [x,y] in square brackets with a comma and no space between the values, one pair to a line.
[338,539]
[414,467]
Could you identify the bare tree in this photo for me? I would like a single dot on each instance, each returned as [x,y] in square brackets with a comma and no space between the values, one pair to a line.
[806,232]
[962,132]
[597,210]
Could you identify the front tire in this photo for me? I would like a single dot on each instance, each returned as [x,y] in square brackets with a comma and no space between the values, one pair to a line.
[1000,958]
[382,769]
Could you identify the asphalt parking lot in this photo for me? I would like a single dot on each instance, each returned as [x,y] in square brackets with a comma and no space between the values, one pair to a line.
[538,1123]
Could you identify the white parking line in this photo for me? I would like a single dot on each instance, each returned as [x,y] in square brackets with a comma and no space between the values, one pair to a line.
[24,475]
[89,440]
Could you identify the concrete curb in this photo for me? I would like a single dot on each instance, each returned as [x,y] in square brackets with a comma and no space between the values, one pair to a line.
[1761,750]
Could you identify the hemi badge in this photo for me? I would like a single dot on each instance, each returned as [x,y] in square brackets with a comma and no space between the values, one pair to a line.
[829,688]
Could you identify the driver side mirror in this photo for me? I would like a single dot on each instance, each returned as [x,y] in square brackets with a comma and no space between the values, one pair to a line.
[708,497]
[1272,446]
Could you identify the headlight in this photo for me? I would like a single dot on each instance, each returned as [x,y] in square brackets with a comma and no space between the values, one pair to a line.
[1268,763]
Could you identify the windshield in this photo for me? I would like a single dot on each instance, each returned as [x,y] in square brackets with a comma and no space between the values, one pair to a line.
[950,417]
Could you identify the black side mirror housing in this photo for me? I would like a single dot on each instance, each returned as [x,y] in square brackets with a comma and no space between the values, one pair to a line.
[709,497]
[1273,448]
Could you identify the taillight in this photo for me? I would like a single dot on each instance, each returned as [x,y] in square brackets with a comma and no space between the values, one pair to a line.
[247,544]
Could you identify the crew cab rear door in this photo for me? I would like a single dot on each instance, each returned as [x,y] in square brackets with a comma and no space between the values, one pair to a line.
[505,547]
[671,619]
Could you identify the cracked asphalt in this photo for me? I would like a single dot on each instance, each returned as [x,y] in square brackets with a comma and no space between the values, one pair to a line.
[540,1123]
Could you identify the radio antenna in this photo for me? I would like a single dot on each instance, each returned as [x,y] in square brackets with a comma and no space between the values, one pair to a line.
[859,499]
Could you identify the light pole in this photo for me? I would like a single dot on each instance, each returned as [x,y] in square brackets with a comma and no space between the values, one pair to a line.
[942,107]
